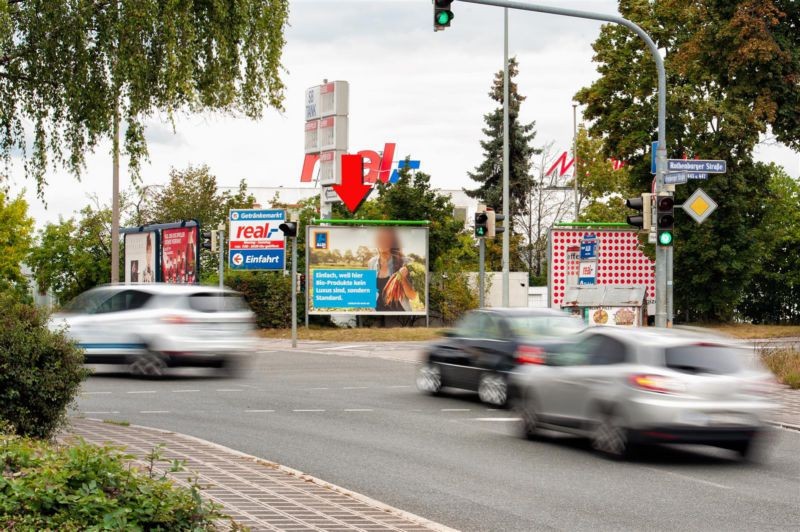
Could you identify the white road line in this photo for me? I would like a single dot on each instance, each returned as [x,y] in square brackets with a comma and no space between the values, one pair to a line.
[142,391]
[258,411]
[496,419]
[339,348]
[229,390]
[355,387]
[401,386]
[687,477]
[359,410]
[107,412]
[308,410]
[321,388]
[455,409]
[154,411]
[96,393]
[185,391]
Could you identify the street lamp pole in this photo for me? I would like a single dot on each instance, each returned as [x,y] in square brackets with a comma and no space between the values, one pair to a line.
[506,166]
[575,158]
[662,256]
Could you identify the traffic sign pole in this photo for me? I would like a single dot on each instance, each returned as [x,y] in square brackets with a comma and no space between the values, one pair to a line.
[481,271]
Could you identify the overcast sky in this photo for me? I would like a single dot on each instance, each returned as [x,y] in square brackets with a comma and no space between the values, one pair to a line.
[425,91]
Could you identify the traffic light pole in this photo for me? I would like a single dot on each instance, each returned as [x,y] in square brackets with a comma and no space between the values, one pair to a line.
[481,271]
[294,291]
[221,264]
[663,257]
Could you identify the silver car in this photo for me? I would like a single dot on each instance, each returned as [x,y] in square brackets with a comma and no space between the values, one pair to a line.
[626,387]
[151,327]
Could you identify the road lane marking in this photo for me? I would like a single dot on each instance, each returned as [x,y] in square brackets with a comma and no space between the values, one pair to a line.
[185,391]
[142,391]
[687,477]
[308,410]
[229,390]
[154,411]
[96,393]
[401,386]
[497,419]
[253,411]
[455,409]
[339,348]
[320,388]
[355,387]
[359,410]
[101,412]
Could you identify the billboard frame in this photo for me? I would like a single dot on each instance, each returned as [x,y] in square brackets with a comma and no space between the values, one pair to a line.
[327,224]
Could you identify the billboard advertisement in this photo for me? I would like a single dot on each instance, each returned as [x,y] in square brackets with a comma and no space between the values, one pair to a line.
[179,250]
[367,270]
[618,260]
[255,239]
[140,257]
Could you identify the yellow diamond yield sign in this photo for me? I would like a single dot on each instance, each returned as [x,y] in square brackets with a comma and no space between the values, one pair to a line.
[699,206]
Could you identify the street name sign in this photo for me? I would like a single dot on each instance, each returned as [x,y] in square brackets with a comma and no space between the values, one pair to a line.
[697,166]
[256,241]
[676,178]
[699,205]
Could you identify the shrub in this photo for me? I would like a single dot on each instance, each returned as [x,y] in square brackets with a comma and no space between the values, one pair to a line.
[40,370]
[269,296]
[451,296]
[51,487]
[785,364]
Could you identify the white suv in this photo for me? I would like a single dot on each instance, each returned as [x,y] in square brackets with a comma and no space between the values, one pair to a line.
[151,327]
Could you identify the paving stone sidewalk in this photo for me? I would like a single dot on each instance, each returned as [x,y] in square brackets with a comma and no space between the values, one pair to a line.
[256,493]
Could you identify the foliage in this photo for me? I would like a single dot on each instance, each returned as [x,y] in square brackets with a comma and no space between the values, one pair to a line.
[773,296]
[451,295]
[785,364]
[732,73]
[602,189]
[16,229]
[74,255]
[489,175]
[83,487]
[268,294]
[192,194]
[67,68]
[40,370]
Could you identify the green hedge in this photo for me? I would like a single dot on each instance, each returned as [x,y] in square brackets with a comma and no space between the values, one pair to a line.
[40,370]
[269,296]
[83,487]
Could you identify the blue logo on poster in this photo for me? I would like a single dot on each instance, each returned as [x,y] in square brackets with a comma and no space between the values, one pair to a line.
[320,240]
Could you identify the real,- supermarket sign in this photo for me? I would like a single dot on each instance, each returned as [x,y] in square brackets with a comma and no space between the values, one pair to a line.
[255,239]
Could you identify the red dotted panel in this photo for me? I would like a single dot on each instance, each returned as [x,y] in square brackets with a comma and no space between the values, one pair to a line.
[619,261]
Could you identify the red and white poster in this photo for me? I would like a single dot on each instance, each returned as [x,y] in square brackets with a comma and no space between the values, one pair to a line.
[179,255]
[620,261]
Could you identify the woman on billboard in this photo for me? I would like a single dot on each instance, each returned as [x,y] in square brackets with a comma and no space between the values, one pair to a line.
[395,291]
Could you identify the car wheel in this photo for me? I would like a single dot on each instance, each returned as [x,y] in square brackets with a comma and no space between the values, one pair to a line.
[493,389]
[743,448]
[148,365]
[610,438]
[429,379]
[529,419]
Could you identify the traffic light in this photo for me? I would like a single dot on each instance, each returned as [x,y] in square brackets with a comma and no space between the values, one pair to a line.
[442,14]
[210,240]
[481,224]
[289,229]
[643,204]
[301,283]
[495,229]
[665,210]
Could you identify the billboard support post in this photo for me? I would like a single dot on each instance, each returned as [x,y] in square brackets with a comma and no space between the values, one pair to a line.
[481,271]
[221,246]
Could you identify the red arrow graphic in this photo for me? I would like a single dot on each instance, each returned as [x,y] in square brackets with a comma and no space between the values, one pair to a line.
[353,191]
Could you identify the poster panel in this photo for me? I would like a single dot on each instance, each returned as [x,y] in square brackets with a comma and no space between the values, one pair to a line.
[179,255]
[255,239]
[367,270]
[140,257]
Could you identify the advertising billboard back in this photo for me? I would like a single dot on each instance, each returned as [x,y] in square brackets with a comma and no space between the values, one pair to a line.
[367,270]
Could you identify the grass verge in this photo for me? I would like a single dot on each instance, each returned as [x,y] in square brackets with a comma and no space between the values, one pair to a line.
[785,364]
[364,334]
[748,331]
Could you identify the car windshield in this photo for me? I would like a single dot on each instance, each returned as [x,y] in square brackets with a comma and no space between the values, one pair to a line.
[87,302]
[704,359]
[217,302]
[538,326]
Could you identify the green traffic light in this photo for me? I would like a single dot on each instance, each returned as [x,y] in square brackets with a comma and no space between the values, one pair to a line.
[444,17]
[665,238]
[480,231]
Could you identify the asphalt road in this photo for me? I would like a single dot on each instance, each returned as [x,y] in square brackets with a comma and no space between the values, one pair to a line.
[359,422]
